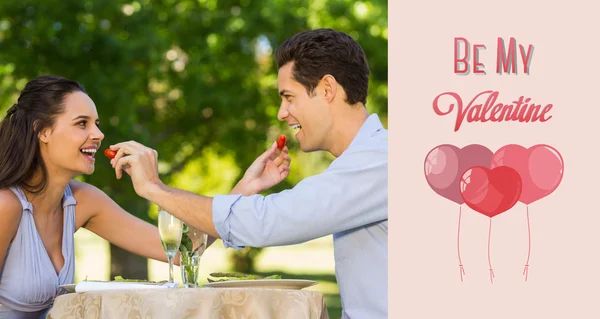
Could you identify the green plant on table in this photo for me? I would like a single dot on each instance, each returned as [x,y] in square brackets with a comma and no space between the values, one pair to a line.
[189,258]
[228,276]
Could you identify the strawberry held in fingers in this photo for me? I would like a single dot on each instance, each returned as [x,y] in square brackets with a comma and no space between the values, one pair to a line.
[110,153]
[281,142]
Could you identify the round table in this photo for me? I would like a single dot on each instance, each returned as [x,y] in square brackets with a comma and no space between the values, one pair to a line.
[175,303]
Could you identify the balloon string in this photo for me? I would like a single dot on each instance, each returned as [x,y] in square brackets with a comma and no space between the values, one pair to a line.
[526,270]
[489,259]
[462,269]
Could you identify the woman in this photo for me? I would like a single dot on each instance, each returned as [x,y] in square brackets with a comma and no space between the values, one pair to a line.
[47,138]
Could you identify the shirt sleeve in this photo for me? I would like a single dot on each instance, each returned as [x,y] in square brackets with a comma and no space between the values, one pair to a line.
[352,192]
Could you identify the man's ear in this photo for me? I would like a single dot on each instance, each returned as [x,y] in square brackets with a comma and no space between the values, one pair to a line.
[330,86]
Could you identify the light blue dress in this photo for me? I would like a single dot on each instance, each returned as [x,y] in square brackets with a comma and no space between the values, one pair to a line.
[28,280]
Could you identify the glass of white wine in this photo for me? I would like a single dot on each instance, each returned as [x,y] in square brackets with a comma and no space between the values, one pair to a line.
[170,229]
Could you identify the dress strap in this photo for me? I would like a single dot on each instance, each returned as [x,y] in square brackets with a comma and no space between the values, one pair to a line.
[22,198]
[68,199]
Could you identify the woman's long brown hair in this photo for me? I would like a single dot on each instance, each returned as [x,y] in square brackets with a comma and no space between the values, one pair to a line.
[36,109]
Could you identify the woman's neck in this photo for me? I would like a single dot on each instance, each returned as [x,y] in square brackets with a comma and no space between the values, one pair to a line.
[49,200]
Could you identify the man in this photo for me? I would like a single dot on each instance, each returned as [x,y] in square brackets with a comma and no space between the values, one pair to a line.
[323,81]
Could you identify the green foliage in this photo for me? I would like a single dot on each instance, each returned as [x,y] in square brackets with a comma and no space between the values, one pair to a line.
[193,79]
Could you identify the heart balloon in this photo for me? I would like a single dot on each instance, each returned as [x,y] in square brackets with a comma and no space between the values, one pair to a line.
[490,192]
[445,164]
[540,167]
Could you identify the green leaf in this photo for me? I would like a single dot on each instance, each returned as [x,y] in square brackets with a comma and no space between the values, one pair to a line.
[199,246]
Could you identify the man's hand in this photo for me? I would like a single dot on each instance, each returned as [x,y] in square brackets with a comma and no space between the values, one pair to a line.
[269,169]
[140,162]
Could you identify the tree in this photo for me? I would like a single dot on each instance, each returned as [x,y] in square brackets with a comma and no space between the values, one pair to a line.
[187,78]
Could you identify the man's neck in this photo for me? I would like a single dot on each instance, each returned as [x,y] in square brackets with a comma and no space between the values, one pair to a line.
[347,124]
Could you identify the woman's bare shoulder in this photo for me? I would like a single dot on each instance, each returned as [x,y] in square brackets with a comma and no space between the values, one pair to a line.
[84,192]
[10,208]
[9,202]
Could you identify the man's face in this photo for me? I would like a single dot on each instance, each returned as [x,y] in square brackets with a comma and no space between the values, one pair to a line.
[308,114]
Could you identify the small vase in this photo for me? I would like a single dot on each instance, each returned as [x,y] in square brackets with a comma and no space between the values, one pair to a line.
[189,265]
[193,245]
[198,239]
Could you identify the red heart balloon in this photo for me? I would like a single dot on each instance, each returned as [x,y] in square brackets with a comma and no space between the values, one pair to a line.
[490,192]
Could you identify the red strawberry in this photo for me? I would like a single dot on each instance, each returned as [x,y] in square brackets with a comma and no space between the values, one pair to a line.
[110,153]
[281,142]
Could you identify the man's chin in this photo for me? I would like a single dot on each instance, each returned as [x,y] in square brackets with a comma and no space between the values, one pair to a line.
[308,149]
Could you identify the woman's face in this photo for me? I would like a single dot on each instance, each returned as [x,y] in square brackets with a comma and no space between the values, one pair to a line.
[71,144]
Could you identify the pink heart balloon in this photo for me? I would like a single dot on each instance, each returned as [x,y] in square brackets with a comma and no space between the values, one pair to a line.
[541,168]
[445,164]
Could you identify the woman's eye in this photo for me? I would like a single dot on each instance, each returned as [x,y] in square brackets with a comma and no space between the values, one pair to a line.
[82,124]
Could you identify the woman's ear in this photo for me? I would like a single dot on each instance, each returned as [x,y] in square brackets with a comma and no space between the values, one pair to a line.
[43,135]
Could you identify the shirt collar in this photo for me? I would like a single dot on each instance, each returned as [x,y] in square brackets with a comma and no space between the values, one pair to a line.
[371,125]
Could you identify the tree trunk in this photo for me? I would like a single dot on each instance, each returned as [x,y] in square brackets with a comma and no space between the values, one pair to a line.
[127,265]
[122,262]
[245,260]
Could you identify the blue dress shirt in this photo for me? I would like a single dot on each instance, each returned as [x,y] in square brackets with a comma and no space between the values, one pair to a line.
[349,200]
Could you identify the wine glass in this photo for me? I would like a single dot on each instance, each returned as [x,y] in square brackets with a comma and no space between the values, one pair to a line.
[170,229]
